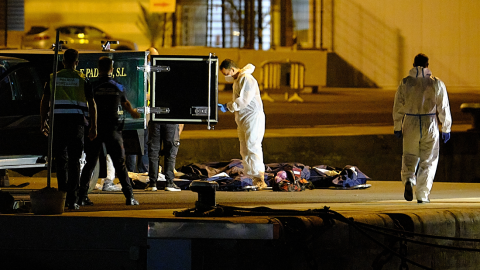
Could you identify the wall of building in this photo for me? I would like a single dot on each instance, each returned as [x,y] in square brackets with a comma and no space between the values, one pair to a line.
[315,61]
[381,38]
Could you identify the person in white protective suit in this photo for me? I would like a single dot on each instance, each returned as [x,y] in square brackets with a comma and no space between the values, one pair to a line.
[249,116]
[418,99]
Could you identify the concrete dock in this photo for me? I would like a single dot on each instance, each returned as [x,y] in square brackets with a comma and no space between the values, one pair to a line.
[372,228]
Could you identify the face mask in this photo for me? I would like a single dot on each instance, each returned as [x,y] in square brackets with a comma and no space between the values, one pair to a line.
[229,78]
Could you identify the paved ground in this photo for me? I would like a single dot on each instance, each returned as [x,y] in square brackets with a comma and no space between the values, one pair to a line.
[382,196]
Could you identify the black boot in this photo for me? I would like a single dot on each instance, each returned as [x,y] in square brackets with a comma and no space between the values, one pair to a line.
[84,200]
[131,201]
[72,205]
[408,193]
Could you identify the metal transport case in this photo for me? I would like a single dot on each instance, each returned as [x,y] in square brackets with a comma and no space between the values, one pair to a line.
[188,92]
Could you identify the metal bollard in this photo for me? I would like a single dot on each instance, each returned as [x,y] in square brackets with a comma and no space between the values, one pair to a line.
[206,194]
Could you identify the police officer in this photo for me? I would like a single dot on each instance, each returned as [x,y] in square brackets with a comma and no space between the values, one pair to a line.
[73,94]
[109,96]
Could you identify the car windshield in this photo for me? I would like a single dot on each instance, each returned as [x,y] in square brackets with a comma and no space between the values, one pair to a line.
[72,30]
[95,33]
[36,30]
[25,82]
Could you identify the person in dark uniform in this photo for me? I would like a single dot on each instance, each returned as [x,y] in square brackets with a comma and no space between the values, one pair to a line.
[163,139]
[109,96]
[73,94]
[167,135]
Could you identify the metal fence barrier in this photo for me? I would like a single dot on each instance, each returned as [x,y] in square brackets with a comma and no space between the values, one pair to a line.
[282,77]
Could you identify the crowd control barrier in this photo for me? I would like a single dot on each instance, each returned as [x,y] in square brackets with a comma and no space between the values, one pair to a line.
[282,77]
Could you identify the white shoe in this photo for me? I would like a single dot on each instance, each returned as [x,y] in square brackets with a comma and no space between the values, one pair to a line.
[111,187]
[151,189]
[173,187]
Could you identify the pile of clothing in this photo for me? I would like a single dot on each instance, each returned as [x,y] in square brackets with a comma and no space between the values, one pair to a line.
[230,177]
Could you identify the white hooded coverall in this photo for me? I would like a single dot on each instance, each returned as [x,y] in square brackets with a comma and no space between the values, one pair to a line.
[419,97]
[250,118]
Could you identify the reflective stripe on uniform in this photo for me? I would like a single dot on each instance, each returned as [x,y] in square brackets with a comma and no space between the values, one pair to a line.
[70,102]
[107,93]
[68,111]
[70,92]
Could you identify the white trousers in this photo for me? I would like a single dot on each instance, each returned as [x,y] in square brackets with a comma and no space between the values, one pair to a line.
[250,135]
[420,153]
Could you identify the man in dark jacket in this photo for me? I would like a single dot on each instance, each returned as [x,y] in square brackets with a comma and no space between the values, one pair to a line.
[109,96]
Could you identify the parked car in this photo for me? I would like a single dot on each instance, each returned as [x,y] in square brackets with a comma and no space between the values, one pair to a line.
[80,37]
[20,92]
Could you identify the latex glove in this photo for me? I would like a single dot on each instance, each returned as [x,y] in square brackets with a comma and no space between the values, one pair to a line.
[445,137]
[223,107]
[398,133]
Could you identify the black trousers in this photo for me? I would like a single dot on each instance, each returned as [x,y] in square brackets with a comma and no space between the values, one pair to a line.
[67,150]
[140,165]
[166,135]
[114,144]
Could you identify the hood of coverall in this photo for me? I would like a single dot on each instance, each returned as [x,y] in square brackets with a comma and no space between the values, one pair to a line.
[420,72]
[247,100]
[248,69]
